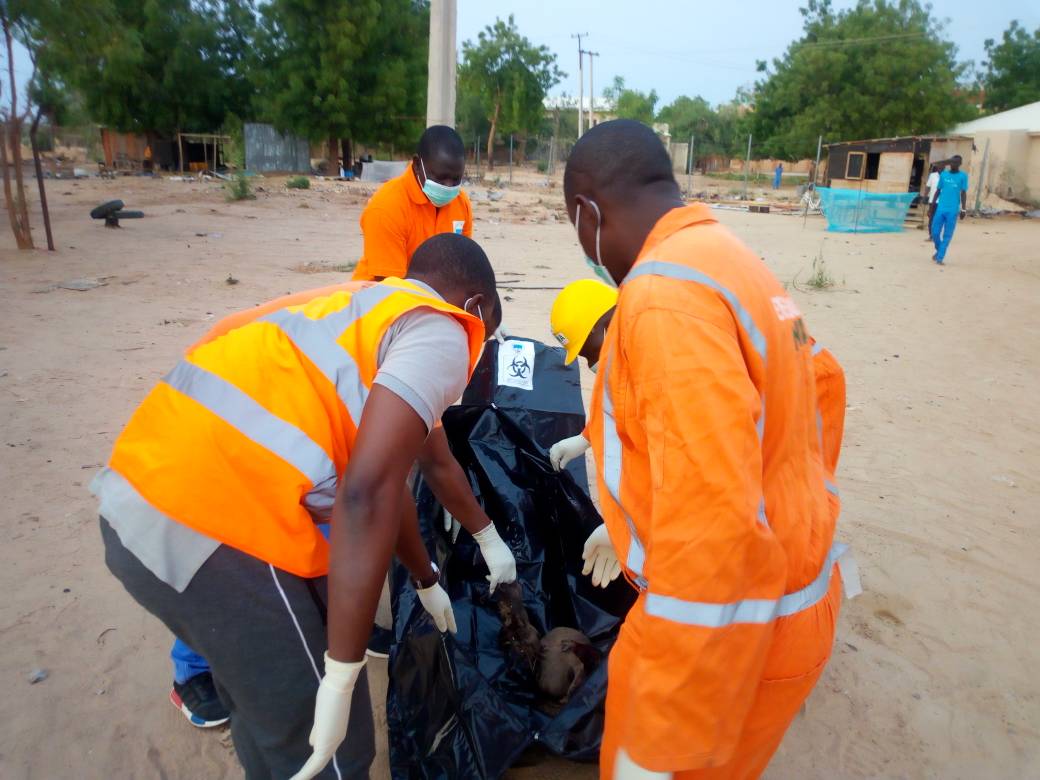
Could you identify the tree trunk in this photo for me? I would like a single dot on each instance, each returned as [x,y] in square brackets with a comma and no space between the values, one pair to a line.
[347,149]
[491,135]
[8,196]
[333,168]
[39,180]
[519,149]
[18,207]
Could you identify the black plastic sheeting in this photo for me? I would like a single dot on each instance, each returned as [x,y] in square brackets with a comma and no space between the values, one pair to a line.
[456,705]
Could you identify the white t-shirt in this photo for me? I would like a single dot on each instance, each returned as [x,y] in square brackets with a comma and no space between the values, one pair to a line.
[933,186]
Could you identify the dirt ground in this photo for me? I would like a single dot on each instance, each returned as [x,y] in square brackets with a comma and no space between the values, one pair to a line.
[934,668]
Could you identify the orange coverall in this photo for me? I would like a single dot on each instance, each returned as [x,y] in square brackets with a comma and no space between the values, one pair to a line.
[708,443]
[398,218]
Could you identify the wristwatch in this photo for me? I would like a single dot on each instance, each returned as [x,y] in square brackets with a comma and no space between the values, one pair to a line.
[428,582]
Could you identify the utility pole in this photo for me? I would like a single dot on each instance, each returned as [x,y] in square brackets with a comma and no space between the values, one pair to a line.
[747,165]
[592,92]
[581,79]
[440,85]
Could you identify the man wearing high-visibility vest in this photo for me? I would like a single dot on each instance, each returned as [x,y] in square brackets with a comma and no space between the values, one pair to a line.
[707,441]
[211,498]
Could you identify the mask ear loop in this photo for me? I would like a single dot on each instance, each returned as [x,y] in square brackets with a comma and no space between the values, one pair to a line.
[599,224]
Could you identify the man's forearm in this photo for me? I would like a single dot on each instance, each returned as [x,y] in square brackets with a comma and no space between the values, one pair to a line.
[446,479]
[367,523]
[410,549]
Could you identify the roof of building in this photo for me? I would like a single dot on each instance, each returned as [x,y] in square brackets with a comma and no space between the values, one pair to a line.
[1025,117]
[954,137]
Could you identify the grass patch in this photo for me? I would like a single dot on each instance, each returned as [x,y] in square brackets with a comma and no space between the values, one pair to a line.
[757,178]
[821,278]
[298,183]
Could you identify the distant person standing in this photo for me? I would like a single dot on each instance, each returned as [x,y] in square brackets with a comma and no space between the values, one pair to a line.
[931,189]
[425,200]
[950,202]
[778,175]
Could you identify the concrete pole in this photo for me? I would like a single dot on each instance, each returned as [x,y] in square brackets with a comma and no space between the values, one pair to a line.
[581,80]
[440,88]
[816,169]
[747,165]
[592,92]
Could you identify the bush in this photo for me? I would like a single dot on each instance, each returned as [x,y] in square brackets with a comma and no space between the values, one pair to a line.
[543,166]
[298,183]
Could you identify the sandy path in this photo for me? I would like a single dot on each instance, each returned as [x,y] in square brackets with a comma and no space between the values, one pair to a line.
[934,668]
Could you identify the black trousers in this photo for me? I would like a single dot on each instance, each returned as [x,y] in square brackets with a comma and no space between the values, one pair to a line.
[263,632]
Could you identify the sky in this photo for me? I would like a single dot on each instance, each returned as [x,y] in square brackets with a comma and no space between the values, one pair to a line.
[693,47]
[687,47]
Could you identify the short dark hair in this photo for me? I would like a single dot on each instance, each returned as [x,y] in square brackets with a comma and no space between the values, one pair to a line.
[453,261]
[440,139]
[621,153]
[957,157]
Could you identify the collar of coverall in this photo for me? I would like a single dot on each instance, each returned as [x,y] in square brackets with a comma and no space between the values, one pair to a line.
[411,184]
[672,222]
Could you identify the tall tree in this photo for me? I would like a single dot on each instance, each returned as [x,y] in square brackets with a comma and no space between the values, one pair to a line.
[881,68]
[631,103]
[510,77]
[1012,75]
[332,70]
[716,131]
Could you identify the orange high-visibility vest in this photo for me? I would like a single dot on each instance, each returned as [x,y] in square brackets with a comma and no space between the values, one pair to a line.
[245,440]
[704,428]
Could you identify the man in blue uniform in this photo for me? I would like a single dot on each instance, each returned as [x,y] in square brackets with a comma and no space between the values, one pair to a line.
[950,199]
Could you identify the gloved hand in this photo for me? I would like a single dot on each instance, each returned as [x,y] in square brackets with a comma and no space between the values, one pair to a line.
[566,450]
[600,558]
[331,713]
[497,556]
[627,769]
[435,601]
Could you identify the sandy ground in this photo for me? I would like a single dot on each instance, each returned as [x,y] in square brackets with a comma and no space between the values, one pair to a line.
[934,669]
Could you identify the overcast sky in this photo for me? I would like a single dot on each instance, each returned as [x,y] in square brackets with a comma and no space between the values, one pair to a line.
[688,47]
[693,47]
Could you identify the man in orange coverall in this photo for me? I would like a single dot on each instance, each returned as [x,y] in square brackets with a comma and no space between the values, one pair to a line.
[709,447]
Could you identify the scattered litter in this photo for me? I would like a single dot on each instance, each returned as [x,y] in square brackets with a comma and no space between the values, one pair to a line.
[1034,214]
[495,196]
[38,675]
[80,173]
[210,235]
[1004,480]
[231,280]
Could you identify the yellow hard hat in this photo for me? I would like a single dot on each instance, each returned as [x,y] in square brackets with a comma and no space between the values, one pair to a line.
[576,311]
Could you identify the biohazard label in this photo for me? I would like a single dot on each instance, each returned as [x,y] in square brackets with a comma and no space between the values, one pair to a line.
[516,365]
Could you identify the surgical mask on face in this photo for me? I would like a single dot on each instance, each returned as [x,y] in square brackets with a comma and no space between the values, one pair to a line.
[439,194]
[596,265]
[593,366]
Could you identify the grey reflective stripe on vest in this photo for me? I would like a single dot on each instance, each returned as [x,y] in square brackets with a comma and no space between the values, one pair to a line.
[817,348]
[317,339]
[831,487]
[713,615]
[612,477]
[254,422]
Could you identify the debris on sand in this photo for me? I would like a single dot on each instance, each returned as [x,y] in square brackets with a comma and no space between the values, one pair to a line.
[38,675]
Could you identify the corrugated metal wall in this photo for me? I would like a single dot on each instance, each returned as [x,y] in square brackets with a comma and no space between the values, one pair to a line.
[268,151]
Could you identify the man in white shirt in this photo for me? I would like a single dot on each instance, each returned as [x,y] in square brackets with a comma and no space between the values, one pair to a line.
[931,188]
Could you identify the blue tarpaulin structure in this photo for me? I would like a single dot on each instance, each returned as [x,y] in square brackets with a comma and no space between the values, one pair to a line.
[855,211]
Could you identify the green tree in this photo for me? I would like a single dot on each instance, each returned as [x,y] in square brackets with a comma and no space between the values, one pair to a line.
[631,103]
[881,68]
[508,77]
[341,70]
[156,65]
[1012,75]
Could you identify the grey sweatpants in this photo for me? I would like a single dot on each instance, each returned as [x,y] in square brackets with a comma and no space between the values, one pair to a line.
[263,632]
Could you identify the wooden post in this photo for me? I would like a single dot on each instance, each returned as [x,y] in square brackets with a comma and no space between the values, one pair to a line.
[180,152]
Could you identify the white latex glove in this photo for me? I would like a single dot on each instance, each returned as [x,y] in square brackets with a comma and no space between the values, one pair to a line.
[331,713]
[600,558]
[435,601]
[497,556]
[451,525]
[566,450]
[627,769]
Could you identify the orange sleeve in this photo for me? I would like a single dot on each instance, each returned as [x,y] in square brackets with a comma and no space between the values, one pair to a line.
[467,229]
[386,243]
[693,681]
[830,400]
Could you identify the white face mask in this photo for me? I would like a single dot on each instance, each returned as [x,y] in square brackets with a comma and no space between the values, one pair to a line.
[596,265]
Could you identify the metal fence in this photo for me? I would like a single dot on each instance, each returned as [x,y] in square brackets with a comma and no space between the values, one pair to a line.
[268,151]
